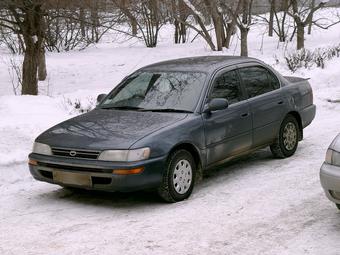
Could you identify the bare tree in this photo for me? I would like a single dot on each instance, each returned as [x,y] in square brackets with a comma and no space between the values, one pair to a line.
[312,5]
[37,24]
[217,19]
[77,24]
[146,16]
[215,13]
[151,21]
[242,17]
[125,7]
[199,18]
[277,22]
[303,16]
[244,25]
[271,17]
[180,12]
[27,19]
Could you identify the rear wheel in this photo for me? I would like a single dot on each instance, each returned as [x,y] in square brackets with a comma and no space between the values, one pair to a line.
[287,140]
[179,178]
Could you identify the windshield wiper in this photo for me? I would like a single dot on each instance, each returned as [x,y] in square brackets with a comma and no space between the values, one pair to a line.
[167,110]
[122,107]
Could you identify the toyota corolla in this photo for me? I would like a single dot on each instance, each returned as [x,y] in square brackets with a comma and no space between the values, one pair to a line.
[165,123]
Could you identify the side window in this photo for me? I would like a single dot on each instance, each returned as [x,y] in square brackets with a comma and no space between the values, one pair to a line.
[227,86]
[256,80]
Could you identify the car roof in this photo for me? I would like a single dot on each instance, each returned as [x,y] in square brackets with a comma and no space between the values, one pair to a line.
[198,64]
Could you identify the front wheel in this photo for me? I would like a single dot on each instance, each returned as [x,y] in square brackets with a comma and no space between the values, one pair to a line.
[179,178]
[338,206]
[287,140]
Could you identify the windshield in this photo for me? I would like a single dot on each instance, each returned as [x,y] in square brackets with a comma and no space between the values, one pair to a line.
[157,91]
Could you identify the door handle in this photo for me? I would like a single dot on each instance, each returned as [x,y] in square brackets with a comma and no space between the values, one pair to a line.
[281,102]
[245,115]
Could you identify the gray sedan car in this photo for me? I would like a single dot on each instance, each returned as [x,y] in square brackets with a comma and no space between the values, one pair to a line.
[330,172]
[165,123]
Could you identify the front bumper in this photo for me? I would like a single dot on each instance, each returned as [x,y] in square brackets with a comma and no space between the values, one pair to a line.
[330,181]
[98,172]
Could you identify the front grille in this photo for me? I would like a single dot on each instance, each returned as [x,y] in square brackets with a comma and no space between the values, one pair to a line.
[72,168]
[75,153]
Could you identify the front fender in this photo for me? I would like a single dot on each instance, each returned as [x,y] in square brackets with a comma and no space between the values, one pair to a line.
[189,130]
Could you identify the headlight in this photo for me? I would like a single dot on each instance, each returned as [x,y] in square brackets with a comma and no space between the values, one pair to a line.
[125,155]
[41,148]
[333,157]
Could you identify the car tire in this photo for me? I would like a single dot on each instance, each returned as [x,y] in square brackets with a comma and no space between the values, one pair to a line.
[179,177]
[287,140]
[338,206]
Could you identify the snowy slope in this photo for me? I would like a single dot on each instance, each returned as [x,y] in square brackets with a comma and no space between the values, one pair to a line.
[255,205]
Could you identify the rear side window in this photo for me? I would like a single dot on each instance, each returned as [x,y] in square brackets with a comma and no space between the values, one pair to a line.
[273,80]
[227,86]
[258,80]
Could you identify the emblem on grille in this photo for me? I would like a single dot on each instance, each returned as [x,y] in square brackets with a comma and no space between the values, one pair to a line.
[73,153]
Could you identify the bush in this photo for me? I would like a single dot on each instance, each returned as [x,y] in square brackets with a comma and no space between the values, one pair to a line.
[306,58]
[298,59]
[79,106]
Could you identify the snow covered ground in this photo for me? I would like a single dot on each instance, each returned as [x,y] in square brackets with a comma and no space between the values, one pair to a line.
[255,205]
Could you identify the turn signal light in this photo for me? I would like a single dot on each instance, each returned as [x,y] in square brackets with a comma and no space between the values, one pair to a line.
[128,171]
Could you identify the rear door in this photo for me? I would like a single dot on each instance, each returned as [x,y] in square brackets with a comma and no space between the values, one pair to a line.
[265,100]
[228,131]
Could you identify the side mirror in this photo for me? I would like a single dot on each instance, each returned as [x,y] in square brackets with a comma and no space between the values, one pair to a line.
[100,98]
[216,104]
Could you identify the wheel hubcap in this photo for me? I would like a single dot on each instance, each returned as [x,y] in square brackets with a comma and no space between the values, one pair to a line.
[289,136]
[182,176]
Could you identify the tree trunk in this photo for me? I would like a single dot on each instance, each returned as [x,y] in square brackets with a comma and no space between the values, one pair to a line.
[244,42]
[244,26]
[183,32]
[132,20]
[82,21]
[133,23]
[29,72]
[271,18]
[300,36]
[180,32]
[282,25]
[33,30]
[177,32]
[183,15]
[42,71]
[310,23]
[218,33]
[124,6]
[205,33]
[217,21]
[95,22]
[231,27]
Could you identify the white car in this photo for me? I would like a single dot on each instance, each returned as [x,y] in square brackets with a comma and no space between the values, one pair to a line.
[330,172]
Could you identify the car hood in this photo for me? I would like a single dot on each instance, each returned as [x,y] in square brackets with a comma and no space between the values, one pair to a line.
[103,129]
